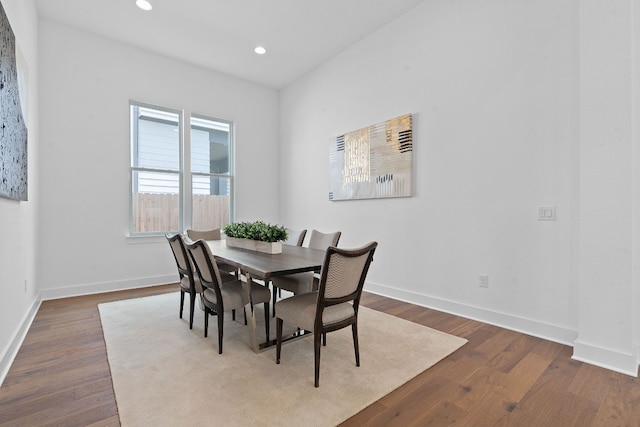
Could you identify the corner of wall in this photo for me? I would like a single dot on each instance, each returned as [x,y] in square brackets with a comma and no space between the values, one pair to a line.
[606,358]
[11,351]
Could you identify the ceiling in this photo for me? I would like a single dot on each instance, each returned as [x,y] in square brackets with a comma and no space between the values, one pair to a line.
[220,35]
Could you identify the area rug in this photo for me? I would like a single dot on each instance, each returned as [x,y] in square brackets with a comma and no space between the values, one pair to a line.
[167,375]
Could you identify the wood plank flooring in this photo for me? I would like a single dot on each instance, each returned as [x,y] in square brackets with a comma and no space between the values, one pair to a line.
[61,376]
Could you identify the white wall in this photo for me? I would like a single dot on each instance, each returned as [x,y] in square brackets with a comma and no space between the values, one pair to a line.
[86,84]
[19,220]
[494,88]
[607,190]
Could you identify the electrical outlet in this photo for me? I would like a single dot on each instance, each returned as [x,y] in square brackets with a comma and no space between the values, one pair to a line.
[483,280]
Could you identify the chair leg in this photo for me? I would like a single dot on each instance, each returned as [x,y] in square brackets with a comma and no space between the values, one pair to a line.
[181,302]
[233,314]
[266,320]
[316,357]
[244,311]
[275,298]
[324,339]
[354,330]
[192,309]
[220,325]
[206,320]
[278,339]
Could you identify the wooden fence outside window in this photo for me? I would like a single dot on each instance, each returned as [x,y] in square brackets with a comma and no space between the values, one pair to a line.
[161,212]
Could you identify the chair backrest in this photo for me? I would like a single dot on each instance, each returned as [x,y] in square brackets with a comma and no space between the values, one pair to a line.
[180,254]
[343,274]
[183,261]
[204,234]
[322,241]
[205,265]
[295,237]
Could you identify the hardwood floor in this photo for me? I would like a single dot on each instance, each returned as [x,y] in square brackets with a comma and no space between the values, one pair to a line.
[61,376]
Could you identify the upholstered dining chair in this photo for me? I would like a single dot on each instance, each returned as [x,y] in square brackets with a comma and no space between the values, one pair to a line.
[295,237]
[219,296]
[304,282]
[189,280]
[213,234]
[334,305]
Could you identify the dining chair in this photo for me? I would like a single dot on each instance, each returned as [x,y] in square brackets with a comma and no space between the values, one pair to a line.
[213,234]
[334,305]
[304,282]
[219,296]
[189,280]
[295,237]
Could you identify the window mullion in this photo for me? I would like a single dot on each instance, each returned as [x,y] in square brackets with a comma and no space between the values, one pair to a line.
[134,146]
[185,162]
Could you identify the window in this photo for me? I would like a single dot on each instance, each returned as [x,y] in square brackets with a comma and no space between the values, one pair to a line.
[162,200]
[210,172]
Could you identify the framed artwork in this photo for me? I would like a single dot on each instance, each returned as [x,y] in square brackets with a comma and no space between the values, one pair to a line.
[13,128]
[372,162]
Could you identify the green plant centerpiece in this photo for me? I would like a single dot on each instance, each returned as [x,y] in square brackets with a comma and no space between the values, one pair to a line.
[258,236]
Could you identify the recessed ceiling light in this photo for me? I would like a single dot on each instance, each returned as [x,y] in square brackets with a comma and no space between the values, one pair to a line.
[260,50]
[144,4]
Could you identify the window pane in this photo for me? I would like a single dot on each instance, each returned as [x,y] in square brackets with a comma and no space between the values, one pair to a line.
[211,202]
[209,145]
[155,202]
[157,182]
[158,139]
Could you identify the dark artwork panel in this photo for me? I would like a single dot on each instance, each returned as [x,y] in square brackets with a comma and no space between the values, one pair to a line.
[13,131]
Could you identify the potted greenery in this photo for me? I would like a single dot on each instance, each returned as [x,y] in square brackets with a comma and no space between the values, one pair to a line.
[257,236]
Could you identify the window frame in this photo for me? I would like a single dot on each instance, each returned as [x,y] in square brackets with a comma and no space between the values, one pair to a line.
[185,190]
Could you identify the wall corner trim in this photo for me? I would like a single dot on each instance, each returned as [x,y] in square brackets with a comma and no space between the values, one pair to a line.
[11,351]
[625,363]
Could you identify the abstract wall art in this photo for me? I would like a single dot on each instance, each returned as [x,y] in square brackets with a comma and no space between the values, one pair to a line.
[13,129]
[373,162]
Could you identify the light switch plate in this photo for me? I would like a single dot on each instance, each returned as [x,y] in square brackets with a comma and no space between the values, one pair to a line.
[483,280]
[546,213]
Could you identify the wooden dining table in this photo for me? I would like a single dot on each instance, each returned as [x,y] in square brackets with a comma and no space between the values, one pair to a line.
[263,266]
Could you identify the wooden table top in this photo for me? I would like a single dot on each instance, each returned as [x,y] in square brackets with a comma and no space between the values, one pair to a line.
[293,259]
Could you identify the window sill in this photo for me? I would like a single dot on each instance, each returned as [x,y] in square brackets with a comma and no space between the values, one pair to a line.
[136,240]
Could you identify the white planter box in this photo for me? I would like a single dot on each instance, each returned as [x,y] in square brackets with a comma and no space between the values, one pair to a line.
[255,245]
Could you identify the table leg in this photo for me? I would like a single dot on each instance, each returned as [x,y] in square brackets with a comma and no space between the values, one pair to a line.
[289,335]
[251,315]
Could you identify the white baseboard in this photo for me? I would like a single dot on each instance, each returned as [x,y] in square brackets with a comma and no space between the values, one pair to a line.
[535,328]
[98,288]
[624,363]
[583,352]
[11,351]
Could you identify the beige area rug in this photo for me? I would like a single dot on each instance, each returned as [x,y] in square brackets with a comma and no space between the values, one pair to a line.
[167,375]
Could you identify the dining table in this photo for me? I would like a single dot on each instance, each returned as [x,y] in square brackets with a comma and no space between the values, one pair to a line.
[254,265]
